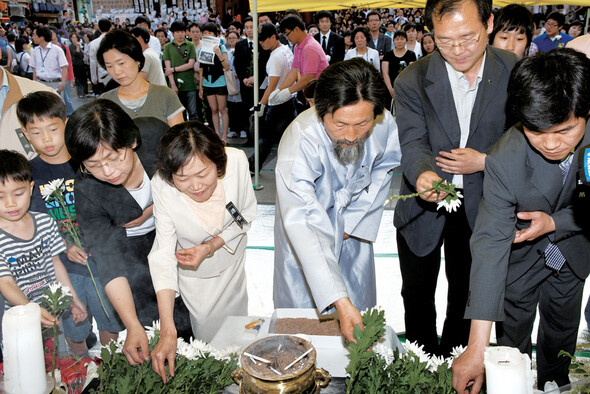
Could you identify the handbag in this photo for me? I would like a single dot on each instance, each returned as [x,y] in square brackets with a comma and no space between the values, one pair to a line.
[231,82]
[17,69]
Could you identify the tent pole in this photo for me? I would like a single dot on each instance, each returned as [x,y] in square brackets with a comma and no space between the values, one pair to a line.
[257,185]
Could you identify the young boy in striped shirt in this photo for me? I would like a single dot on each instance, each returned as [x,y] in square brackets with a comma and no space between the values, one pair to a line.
[29,242]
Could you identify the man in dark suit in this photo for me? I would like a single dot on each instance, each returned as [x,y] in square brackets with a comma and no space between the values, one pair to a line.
[450,110]
[380,42]
[332,43]
[243,63]
[531,239]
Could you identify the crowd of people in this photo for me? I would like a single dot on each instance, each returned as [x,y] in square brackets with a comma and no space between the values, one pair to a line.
[491,101]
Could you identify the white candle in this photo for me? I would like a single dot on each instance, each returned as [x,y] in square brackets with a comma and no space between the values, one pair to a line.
[24,365]
[507,371]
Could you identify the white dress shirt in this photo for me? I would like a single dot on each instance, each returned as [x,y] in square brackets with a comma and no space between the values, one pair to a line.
[464,97]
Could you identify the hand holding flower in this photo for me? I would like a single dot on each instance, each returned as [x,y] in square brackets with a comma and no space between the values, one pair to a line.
[441,192]
[424,186]
[76,254]
[47,318]
[54,192]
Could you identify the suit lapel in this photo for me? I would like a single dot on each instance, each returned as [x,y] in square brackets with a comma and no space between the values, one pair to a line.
[486,91]
[116,200]
[572,176]
[126,199]
[438,90]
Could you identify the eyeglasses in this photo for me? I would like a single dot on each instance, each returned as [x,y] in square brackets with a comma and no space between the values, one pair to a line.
[287,33]
[114,163]
[551,24]
[467,44]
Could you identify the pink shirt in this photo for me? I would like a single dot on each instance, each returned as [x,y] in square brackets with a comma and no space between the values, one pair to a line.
[309,57]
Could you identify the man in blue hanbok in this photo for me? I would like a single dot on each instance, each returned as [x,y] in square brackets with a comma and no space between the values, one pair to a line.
[333,174]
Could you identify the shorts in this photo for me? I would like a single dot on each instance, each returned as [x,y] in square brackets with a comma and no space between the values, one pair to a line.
[84,287]
[210,91]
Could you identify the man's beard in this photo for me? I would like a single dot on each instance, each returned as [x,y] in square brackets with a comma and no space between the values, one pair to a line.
[348,152]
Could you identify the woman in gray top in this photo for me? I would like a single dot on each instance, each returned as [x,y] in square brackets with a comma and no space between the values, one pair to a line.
[121,55]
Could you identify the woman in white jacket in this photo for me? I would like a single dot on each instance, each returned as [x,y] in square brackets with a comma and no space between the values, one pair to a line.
[360,37]
[203,204]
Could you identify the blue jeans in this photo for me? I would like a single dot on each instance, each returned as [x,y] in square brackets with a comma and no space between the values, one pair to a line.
[84,287]
[188,98]
[66,95]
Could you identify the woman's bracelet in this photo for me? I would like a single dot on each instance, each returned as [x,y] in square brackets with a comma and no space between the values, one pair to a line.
[212,250]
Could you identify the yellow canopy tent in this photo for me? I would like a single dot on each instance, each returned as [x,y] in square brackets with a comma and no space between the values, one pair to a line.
[319,5]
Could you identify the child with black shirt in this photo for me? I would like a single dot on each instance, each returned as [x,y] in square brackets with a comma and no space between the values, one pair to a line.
[42,116]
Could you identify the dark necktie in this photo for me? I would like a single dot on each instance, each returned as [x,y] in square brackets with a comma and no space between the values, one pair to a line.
[250,45]
[554,259]
[325,44]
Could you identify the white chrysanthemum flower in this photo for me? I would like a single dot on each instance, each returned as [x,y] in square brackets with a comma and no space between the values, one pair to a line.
[385,352]
[434,362]
[186,350]
[65,291]
[155,326]
[200,347]
[151,331]
[119,343]
[55,286]
[413,348]
[451,206]
[227,353]
[51,187]
[457,350]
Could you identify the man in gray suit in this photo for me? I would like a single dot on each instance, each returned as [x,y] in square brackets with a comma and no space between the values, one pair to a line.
[450,111]
[380,42]
[531,239]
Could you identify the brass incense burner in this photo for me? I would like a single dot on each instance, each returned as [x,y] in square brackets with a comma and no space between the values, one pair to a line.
[280,364]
